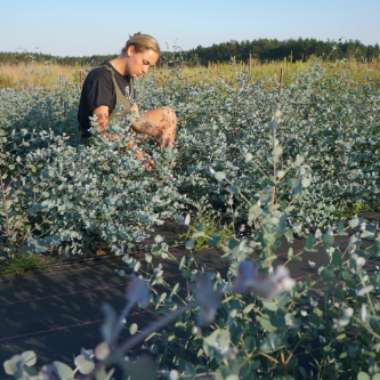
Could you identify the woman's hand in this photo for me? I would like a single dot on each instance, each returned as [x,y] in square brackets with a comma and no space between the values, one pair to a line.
[159,123]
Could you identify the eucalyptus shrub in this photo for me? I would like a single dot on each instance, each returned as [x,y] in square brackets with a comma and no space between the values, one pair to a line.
[308,335]
[326,327]
[250,134]
[277,162]
[59,197]
[328,120]
[76,194]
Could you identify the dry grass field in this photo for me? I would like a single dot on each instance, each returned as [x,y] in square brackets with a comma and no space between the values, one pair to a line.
[32,75]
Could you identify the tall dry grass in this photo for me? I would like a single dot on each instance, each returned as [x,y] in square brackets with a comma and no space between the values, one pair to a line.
[32,75]
[358,72]
[229,72]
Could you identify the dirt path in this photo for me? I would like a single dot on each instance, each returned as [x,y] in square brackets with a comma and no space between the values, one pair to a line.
[57,312]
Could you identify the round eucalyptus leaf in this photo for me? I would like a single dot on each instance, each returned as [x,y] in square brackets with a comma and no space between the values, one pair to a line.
[84,364]
[63,370]
[30,358]
[10,365]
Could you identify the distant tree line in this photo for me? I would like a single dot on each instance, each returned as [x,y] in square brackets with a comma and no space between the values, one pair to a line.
[263,50]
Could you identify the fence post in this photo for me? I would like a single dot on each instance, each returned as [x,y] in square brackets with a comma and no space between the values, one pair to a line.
[81,78]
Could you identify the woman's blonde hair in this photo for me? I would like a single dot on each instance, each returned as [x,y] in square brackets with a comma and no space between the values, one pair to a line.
[142,42]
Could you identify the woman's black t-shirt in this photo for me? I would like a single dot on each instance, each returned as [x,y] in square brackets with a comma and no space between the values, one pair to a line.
[98,90]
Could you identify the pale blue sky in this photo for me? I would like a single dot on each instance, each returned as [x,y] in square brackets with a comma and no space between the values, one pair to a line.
[85,27]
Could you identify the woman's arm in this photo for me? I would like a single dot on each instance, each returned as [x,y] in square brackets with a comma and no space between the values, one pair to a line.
[160,123]
[140,125]
[102,118]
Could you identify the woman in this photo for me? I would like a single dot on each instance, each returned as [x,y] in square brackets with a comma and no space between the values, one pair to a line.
[108,93]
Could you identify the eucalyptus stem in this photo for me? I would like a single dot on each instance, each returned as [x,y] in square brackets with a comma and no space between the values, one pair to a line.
[153,327]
